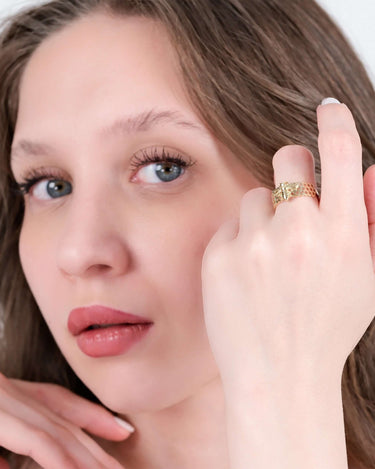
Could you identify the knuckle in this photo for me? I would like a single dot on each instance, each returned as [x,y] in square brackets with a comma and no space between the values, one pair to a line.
[254,193]
[215,259]
[40,441]
[300,244]
[259,252]
[43,392]
[42,437]
[259,245]
[64,395]
[54,433]
[40,394]
[253,197]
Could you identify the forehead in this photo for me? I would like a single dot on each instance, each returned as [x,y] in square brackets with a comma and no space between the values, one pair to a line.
[100,64]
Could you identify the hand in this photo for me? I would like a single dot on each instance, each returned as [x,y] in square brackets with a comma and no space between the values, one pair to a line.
[44,421]
[288,293]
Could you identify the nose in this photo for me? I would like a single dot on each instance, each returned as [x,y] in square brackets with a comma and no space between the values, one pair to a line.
[91,240]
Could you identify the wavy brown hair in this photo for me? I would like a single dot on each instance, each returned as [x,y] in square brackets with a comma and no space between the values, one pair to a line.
[255,71]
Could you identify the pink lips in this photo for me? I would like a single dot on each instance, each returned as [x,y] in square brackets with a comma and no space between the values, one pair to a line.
[103,332]
[85,317]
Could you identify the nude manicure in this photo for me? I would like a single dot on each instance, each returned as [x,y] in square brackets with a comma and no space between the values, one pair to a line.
[330,101]
[125,425]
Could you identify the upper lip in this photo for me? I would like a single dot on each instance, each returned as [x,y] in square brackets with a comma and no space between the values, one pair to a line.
[83,317]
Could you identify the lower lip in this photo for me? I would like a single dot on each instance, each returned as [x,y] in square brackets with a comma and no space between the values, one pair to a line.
[111,341]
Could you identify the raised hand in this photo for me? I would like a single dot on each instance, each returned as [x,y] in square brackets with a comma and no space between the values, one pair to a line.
[287,295]
[292,290]
[46,422]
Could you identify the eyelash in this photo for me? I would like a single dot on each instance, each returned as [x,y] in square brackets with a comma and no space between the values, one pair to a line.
[37,175]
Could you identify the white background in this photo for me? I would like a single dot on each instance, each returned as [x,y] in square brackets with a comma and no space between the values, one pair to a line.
[356,18]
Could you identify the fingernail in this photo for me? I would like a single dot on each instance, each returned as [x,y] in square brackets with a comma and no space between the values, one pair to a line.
[125,425]
[329,101]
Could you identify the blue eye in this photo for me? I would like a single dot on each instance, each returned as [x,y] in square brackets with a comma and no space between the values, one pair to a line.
[51,183]
[164,172]
[54,187]
[169,167]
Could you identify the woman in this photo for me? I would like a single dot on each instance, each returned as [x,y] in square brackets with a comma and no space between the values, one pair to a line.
[141,142]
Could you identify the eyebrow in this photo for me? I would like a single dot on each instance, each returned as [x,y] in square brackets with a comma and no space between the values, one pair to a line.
[131,124]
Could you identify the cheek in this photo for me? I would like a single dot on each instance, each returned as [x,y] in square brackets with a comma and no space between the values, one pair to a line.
[27,254]
[34,252]
[176,262]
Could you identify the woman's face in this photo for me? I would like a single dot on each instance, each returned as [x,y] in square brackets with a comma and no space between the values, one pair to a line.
[110,234]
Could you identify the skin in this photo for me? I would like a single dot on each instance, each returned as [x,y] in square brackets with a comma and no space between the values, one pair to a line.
[75,251]
[144,254]
[287,276]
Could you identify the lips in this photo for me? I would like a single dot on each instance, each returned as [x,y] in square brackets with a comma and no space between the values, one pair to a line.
[93,317]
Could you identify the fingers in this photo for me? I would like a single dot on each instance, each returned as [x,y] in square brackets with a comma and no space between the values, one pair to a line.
[342,195]
[294,163]
[255,211]
[226,232]
[341,164]
[83,413]
[21,437]
[32,430]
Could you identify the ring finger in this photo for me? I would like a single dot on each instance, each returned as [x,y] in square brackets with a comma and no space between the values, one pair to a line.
[294,163]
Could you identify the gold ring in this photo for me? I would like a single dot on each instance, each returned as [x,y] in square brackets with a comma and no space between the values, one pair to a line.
[288,190]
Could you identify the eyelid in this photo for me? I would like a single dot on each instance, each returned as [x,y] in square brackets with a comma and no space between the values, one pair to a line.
[36,175]
[40,170]
[165,150]
[160,154]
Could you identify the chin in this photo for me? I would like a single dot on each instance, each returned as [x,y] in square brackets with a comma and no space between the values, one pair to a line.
[149,395]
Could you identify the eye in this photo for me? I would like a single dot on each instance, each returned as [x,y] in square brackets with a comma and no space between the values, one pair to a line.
[44,184]
[154,173]
[166,168]
[55,188]
[154,166]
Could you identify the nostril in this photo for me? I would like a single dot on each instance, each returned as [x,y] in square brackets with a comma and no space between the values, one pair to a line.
[89,271]
[90,251]
[100,268]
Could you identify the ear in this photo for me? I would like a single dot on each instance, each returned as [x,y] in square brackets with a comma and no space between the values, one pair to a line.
[369,193]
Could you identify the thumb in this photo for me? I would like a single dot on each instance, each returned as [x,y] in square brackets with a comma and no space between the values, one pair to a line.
[369,193]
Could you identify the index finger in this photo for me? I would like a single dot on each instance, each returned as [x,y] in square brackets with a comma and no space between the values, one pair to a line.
[340,151]
[76,409]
